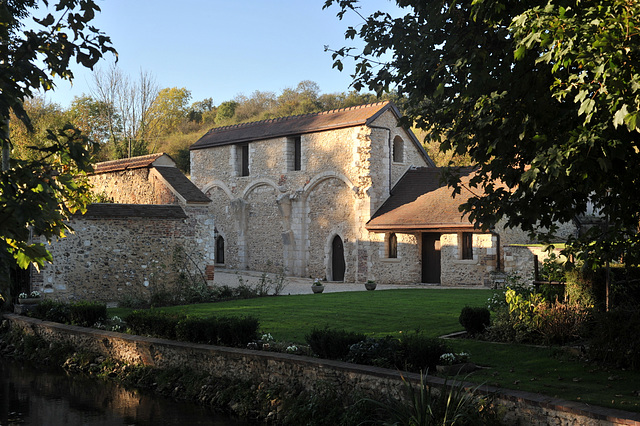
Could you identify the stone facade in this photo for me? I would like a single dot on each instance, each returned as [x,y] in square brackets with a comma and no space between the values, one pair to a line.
[111,258]
[126,248]
[274,216]
[137,186]
[280,218]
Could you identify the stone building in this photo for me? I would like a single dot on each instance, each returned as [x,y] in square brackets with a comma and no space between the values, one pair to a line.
[126,248]
[345,195]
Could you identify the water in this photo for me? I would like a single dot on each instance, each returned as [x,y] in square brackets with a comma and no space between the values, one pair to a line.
[30,396]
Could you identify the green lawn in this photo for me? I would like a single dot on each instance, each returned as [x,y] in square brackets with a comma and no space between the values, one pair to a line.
[434,312]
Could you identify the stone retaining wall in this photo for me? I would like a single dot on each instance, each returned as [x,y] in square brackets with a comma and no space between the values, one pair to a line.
[290,370]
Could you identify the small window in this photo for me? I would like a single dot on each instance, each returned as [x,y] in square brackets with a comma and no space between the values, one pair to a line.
[398,150]
[220,249]
[294,153]
[243,159]
[392,246]
[466,246]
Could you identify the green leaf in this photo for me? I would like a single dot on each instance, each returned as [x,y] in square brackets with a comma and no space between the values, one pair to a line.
[619,117]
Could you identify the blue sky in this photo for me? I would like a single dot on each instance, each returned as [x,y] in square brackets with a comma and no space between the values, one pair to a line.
[220,49]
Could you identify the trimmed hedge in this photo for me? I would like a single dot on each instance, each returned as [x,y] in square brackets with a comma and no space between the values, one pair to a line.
[332,344]
[227,331]
[84,314]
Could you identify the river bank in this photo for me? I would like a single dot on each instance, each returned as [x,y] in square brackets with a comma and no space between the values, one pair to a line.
[280,388]
[256,403]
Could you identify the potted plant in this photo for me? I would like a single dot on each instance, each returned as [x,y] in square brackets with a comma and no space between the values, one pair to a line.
[29,299]
[370,285]
[317,286]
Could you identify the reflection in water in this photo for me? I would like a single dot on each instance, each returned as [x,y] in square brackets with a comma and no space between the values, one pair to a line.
[37,397]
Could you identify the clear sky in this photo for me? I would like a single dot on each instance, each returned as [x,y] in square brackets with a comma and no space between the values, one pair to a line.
[220,49]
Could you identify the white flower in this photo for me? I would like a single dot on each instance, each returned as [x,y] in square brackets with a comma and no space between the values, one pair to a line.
[22,296]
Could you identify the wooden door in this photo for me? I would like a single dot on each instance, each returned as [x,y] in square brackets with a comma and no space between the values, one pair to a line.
[431,258]
[337,259]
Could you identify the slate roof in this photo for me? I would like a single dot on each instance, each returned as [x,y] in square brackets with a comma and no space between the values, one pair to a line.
[126,163]
[116,211]
[179,182]
[420,201]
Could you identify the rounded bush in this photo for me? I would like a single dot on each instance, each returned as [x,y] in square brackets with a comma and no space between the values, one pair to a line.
[475,320]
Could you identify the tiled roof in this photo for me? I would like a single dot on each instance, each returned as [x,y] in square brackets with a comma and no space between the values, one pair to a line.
[294,125]
[114,211]
[420,200]
[178,181]
[126,163]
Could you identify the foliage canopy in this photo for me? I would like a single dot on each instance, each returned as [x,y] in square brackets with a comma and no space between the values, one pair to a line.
[39,191]
[544,96]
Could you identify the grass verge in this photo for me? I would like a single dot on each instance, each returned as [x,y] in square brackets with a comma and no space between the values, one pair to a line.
[434,312]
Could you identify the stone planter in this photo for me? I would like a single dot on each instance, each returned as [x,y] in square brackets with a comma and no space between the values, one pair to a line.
[317,288]
[454,369]
[29,301]
[370,286]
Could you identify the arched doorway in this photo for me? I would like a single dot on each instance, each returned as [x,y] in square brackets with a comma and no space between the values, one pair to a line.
[220,249]
[337,259]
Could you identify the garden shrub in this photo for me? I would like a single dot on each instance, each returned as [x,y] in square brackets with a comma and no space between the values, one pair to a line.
[475,319]
[153,323]
[332,344]
[562,323]
[378,352]
[51,310]
[198,330]
[420,353]
[614,338]
[86,314]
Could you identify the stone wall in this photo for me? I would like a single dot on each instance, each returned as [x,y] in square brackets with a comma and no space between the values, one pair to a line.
[457,271]
[134,186]
[406,268]
[292,370]
[112,258]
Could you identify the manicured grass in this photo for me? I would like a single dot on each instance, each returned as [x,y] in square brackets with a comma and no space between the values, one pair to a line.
[434,312]
[377,313]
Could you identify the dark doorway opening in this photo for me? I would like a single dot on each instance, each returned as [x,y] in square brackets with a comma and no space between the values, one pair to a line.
[220,249]
[431,257]
[337,259]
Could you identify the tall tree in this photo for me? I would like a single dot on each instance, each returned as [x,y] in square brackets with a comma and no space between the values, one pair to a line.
[131,121]
[96,119]
[37,195]
[543,95]
[168,110]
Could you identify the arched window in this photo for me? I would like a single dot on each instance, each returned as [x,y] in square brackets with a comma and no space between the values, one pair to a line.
[392,246]
[220,249]
[398,150]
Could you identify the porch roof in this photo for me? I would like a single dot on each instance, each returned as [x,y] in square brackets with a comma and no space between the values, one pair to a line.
[420,201]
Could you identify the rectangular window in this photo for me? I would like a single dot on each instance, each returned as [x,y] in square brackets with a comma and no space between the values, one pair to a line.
[466,245]
[243,151]
[297,153]
[392,248]
[293,153]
